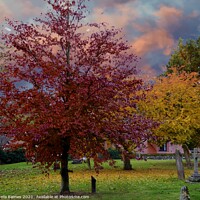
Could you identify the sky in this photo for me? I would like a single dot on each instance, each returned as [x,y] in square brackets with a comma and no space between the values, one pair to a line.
[152,27]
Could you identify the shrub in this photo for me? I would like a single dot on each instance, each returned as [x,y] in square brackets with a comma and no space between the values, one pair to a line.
[114,153]
[8,157]
[3,157]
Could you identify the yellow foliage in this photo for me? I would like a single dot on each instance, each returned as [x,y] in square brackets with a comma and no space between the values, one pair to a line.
[175,102]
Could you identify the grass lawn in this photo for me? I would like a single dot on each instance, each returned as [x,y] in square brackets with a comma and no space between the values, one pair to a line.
[150,180]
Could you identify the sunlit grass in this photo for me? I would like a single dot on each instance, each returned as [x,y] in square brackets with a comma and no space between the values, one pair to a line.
[149,180]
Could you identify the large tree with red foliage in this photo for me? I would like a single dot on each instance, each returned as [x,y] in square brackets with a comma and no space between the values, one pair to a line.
[66,90]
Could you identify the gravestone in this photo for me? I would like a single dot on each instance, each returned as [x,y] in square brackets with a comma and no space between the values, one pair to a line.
[179,165]
[184,194]
[195,177]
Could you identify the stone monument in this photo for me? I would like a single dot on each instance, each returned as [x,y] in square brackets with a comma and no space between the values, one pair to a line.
[184,195]
[195,177]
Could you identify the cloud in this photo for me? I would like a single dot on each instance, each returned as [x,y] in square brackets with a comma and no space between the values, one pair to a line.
[5,11]
[157,35]
[168,16]
[20,9]
[153,40]
[111,3]
[150,27]
[153,27]
[150,31]
[188,26]
[194,14]
[28,8]
[121,17]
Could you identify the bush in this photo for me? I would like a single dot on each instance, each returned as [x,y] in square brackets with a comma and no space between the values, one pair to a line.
[114,153]
[3,157]
[8,157]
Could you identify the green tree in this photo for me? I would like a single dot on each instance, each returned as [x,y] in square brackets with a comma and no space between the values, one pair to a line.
[186,57]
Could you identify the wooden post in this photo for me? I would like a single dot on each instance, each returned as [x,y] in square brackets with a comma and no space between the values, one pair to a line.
[184,194]
[93,181]
[179,165]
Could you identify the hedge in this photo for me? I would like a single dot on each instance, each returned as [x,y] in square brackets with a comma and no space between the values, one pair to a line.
[8,157]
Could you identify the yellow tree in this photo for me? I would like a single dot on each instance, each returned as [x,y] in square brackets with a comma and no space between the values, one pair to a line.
[174,101]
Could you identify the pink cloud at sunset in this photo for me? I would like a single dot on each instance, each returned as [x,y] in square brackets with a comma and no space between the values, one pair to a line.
[27,8]
[153,40]
[111,3]
[5,11]
[20,9]
[121,18]
[152,27]
[158,37]
[168,16]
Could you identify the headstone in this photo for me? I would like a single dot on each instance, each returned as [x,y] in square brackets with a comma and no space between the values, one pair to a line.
[93,182]
[184,194]
[195,177]
[179,165]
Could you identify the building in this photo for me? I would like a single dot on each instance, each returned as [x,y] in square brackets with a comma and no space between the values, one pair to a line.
[167,148]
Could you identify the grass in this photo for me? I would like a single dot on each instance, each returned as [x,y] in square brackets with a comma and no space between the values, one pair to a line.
[150,180]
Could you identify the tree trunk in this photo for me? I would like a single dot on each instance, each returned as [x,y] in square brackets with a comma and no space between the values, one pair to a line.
[89,164]
[64,172]
[127,163]
[179,165]
[187,156]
